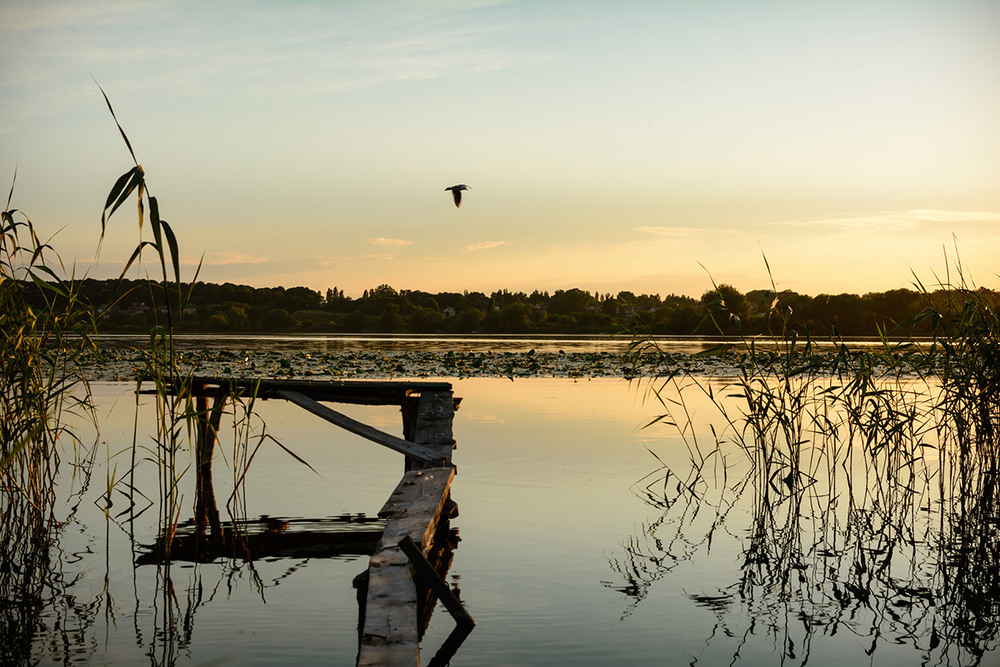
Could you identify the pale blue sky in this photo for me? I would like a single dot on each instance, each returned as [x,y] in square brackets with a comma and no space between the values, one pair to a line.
[608,146]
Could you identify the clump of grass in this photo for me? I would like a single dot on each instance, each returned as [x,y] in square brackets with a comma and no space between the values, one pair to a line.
[884,460]
[45,328]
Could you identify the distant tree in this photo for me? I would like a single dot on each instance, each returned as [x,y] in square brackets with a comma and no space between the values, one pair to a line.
[355,322]
[515,317]
[681,320]
[894,307]
[727,304]
[468,320]
[217,322]
[278,319]
[564,302]
[382,290]
[477,300]
[648,302]
[301,298]
[426,320]
[505,297]
[537,296]
[139,320]
[390,320]
[235,315]
[627,297]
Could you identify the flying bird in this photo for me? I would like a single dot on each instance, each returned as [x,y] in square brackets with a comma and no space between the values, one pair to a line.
[456,192]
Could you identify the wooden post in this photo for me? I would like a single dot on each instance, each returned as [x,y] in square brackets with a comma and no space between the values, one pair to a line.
[206,510]
[432,427]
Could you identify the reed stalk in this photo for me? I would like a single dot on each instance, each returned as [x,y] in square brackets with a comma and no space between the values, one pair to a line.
[871,475]
[45,328]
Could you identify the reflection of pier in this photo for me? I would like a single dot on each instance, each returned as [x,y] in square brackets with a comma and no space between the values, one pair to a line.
[272,537]
[410,560]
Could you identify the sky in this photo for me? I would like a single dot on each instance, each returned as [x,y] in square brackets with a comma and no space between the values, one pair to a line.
[655,147]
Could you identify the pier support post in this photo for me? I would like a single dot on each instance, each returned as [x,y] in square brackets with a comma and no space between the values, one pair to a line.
[206,510]
[428,422]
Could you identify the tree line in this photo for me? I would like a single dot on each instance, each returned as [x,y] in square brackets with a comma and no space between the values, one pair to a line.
[128,305]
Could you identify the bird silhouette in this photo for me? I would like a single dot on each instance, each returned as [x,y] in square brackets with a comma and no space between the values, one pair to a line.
[456,192]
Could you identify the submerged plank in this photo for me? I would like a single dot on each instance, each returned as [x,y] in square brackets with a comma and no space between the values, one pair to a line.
[389,636]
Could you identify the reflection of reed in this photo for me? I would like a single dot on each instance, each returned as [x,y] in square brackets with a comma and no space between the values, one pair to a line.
[870,497]
[45,329]
[25,575]
[815,568]
[37,609]
[906,558]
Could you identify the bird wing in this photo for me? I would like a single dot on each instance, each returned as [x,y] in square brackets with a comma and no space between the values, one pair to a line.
[456,192]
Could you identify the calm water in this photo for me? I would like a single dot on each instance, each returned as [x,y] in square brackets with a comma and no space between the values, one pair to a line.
[404,342]
[564,559]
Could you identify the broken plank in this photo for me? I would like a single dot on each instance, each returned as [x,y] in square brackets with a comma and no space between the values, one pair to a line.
[390,632]
[435,582]
[411,449]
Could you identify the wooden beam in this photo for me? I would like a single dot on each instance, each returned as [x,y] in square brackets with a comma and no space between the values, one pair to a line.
[440,587]
[413,450]
[389,636]
[362,392]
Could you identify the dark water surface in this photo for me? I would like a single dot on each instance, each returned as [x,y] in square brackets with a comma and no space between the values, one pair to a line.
[566,558]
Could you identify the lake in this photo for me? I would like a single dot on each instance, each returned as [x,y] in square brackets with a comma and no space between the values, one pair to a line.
[576,547]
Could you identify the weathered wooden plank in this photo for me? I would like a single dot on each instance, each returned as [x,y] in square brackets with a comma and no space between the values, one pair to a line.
[411,449]
[435,415]
[364,392]
[389,636]
[417,494]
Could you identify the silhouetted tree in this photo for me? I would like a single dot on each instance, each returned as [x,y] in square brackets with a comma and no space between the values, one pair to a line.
[727,304]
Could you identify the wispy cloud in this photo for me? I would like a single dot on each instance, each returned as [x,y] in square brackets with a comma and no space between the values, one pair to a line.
[675,232]
[379,240]
[484,245]
[347,259]
[222,258]
[894,220]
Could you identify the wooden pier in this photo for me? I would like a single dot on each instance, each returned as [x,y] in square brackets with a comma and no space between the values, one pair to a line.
[391,618]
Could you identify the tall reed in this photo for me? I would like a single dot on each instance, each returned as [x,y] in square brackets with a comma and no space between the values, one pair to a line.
[175,410]
[45,328]
[870,475]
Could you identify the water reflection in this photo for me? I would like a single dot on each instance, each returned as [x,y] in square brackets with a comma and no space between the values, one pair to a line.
[37,577]
[277,552]
[706,571]
[899,561]
[269,537]
[412,343]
